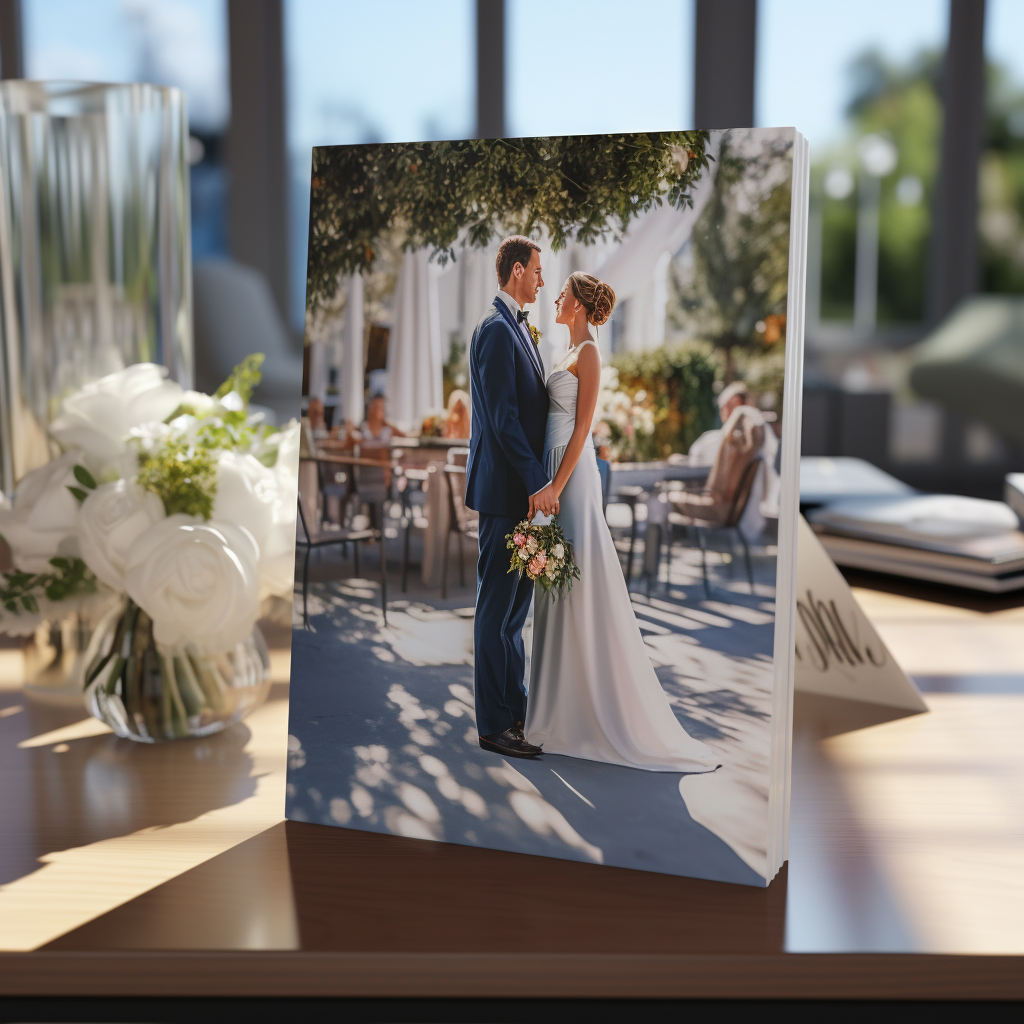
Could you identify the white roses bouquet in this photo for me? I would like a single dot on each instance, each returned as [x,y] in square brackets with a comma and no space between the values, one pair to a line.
[179,504]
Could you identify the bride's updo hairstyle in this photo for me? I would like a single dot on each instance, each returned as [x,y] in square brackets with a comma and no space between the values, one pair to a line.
[594,296]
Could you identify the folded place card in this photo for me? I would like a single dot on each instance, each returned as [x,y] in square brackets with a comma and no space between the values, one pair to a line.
[838,651]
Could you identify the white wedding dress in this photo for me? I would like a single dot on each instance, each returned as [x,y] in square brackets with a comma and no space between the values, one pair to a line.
[593,691]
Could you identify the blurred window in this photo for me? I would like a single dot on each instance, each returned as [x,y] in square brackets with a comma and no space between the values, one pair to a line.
[389,71]
[166,42]
[861,81]
[1001,214]
[588,66]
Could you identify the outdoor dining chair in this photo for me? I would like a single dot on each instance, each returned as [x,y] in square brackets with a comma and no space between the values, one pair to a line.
[336,488]
[461,521]
[412,496]
[371,485]
[325,538]
[730,523]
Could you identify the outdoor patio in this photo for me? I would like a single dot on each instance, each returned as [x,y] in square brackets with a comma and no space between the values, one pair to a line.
[401,753]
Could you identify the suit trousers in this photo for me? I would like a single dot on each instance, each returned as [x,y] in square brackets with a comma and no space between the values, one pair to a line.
[502,604]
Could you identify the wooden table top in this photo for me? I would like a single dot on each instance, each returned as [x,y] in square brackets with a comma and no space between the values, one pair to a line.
[167,871]
[343,459]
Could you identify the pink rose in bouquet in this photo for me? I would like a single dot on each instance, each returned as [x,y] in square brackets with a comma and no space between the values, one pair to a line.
[543,554]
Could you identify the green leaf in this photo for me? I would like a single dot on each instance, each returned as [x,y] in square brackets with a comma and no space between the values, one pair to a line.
[84,477]
[184,478]
[367,198]
[78,493]
[244,379]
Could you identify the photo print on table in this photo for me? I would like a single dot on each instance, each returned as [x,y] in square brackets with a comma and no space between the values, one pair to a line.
[605,328]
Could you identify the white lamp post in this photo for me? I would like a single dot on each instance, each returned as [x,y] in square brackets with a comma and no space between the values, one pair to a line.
[878,158]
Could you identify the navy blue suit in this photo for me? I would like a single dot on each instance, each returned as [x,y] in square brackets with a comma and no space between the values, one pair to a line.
[510,414]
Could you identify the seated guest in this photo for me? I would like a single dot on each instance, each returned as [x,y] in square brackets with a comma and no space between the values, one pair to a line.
[317,423]
[740,440]
[376,432]
[764,497]
[458,415]
[705,448]
[342,435]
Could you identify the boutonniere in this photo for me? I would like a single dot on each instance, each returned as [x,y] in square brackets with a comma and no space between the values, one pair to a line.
[535,334]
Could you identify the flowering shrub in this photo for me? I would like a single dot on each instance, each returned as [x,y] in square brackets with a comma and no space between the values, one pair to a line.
[621,421]
[675,388]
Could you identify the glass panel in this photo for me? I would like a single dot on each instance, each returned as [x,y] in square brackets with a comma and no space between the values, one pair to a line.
[591,66]
[1001,220]
[860,80]
[407,72]
[164,42]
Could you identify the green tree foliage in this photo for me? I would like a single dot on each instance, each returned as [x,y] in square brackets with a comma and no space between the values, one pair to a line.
[736,297]
[900,102]
[679,382]
[1001,221]
[576,187]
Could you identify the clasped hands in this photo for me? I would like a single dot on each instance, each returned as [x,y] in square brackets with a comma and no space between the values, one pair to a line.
[545,500]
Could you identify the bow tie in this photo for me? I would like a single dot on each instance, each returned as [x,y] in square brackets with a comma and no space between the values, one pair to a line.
[521,315]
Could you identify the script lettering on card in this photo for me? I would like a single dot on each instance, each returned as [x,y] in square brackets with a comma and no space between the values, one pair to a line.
[838,652]
[832,640]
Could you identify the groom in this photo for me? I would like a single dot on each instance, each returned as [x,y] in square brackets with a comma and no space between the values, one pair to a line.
[505,483]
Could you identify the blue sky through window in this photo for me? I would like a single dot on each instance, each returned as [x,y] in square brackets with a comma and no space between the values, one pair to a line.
[592,66]
[1004,36]
[389,71]
[168,42]
[805,48]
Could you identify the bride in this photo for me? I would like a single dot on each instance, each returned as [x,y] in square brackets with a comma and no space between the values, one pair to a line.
[593,690]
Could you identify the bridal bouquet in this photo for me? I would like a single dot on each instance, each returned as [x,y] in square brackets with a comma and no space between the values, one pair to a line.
[543,553]
[176,510]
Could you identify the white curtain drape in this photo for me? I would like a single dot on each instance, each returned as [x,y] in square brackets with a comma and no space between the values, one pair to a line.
[318,360]
[555,268]
[351,361]
[479,284]
[415,359]
[638,268]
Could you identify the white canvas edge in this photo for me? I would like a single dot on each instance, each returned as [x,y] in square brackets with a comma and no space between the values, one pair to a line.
[785,585]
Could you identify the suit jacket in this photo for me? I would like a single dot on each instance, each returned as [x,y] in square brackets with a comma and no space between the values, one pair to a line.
[510,415]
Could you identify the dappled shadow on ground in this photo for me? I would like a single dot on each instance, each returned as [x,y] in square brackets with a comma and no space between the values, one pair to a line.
[383,737]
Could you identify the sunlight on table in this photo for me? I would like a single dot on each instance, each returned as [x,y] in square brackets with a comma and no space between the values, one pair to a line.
[103,787]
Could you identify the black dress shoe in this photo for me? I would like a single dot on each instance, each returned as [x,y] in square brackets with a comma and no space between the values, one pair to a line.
[509,744]
[517,731]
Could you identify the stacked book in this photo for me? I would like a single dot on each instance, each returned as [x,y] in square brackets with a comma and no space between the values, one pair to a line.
[943,538]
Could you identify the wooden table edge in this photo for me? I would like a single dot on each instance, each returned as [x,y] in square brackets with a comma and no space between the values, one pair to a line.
[512,975]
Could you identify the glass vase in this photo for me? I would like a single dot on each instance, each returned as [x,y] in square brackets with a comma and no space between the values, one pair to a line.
[95,248]
[95,274]
[149,692]
[54,655]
